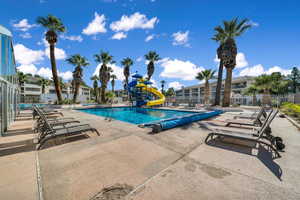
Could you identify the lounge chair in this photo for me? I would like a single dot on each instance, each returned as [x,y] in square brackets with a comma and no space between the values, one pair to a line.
[53,122]
[275,143]
[249,115]
[45,112]
[257,121]
[48,132]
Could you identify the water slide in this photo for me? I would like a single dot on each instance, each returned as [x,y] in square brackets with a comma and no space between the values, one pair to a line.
[157,93]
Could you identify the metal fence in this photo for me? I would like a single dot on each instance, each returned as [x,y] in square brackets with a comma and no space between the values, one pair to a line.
[257,100]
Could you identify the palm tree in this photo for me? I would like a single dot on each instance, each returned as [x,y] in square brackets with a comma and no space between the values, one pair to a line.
[162,82]
[53,26]
[104,73]
[264,83]
[230,30]
[22,78]
[221,39]
[152,57]
[43,83]
[95,86]
[78,61]
[126,62]
[113,78]
[206,75]
[252,90]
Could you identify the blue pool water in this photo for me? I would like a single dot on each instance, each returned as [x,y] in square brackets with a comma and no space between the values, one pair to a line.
[23,106]
[135,115]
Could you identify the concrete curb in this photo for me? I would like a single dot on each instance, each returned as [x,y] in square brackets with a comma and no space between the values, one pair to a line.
[292,121]
[39,178]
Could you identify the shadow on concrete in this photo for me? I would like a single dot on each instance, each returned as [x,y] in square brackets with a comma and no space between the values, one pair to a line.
[24,131]
[16,147]
[266,156]
[64,140]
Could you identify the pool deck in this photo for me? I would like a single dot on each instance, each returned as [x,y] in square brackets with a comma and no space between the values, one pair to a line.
[171,165]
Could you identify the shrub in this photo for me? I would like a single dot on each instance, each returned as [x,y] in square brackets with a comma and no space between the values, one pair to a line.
[291,109]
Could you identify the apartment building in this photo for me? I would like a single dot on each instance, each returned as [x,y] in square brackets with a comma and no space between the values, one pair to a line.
[195,93]
[31,92]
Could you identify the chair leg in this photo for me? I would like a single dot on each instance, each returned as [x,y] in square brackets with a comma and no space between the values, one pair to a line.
[95,130]
[271,146]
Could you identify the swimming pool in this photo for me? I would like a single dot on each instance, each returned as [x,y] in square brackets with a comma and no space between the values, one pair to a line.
[24,106]
[136,115]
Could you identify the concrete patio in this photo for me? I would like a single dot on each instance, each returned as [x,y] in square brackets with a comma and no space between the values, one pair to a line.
[172,165]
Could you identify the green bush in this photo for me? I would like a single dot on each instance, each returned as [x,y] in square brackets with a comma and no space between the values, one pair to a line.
[291,109]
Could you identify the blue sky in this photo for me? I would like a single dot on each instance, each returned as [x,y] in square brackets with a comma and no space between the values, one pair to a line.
[179,31]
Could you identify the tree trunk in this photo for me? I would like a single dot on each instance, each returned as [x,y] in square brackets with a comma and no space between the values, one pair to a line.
[227,88]
[96,94]
[54,74]
[43,89]
[99,95]
[254,100]
[206,93]
[266,97]
[103,99]
[219,84]
[77,85]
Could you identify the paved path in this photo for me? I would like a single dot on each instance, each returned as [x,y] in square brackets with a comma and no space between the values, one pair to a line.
[171,165]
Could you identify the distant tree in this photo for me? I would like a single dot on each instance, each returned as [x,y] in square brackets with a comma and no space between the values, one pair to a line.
[294,78]
[54,26]
[113,78]
[44,83]
[126,62]
[162,82]
[95,79]
[230,30]
[78,61]
[170,92]
[152,57]
[104,73]
[206,75]
[22,78]
[252,90]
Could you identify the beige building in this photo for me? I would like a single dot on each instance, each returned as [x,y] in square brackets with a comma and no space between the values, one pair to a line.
[31,92]
[195,93]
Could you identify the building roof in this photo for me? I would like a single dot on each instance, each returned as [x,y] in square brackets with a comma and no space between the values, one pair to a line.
[5,31]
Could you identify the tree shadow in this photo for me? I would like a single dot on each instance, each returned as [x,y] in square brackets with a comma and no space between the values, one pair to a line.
[265,155]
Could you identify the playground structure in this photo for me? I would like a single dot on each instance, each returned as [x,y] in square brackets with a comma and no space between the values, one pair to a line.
[143,94]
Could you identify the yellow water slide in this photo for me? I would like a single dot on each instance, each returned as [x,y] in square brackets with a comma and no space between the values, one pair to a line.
[159,101]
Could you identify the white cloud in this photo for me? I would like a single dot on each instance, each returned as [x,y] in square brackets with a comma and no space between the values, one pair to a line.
[241,60]
[23,25]
[119,36]
[72,37]
[149,37]
[139,59]
[176,85]
[45,72]
[118,71]
[133,21]
[278,69]
[184,70]
[68,75]
[181,38]
[27,69]
[60,54]
[26,56]
[25,35]
[96,26]
[257,70]
[252,23]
